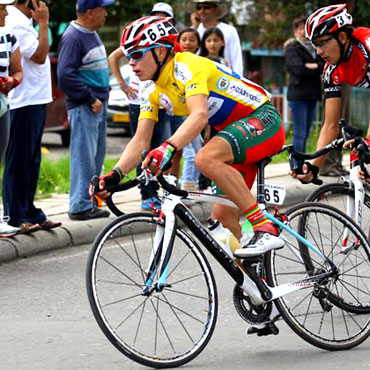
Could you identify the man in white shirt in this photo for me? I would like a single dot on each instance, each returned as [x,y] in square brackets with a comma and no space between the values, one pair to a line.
[27,115]
[208,13]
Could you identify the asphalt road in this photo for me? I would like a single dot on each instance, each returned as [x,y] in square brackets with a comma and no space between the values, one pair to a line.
[46,323]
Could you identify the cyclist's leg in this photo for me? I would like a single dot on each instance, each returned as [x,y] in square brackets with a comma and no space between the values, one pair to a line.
[249,140]
[229,217]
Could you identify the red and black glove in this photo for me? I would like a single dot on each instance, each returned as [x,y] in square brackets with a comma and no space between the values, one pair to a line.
[113,177]
[162,155]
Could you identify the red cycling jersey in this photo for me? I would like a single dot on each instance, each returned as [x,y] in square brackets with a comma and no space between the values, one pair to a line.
[353,69]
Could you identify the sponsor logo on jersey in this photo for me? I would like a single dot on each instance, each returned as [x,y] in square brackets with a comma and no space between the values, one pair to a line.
[363,49]
[214,104]
[145,92]
[191,87]
[223,83]
[241,129]
[241,92]
[146,108]
[256,123]
[166,103]
[182,72]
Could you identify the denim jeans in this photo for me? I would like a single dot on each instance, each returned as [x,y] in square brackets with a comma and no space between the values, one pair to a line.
[302,114]
[88,140]
[160,134]
[189,171]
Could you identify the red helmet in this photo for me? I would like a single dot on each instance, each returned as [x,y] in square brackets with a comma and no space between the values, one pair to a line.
[327,20]
[147,31]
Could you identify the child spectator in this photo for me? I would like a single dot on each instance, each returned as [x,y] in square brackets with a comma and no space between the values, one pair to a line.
[213,45]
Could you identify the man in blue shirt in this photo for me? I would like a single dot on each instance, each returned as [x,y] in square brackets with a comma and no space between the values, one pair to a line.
[83,75]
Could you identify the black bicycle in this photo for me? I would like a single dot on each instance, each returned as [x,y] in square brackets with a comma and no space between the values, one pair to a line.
[154,295]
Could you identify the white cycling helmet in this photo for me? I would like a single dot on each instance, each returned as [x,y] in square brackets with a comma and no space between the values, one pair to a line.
[327,20]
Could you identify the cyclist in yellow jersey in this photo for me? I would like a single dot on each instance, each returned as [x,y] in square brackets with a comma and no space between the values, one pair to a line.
[249,127]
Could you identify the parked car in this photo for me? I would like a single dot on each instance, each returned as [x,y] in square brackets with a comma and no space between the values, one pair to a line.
[118,103]
[56,111]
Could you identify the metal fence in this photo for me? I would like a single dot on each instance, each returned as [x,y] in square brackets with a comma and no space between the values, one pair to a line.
[359,108]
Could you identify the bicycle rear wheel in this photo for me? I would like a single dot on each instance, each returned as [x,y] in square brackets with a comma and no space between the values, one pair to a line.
[163,329]
[336,195]
[333,313]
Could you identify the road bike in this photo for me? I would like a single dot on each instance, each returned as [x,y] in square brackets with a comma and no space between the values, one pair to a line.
[351,195]
[153,293]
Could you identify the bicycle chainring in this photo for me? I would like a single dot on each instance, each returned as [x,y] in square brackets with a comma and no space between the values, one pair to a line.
[249,312]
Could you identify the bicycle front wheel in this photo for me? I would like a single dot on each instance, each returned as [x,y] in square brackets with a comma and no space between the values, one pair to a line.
[332,313]
[162,329]
[336,195]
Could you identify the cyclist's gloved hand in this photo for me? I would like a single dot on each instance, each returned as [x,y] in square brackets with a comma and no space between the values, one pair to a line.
[113,177]
[309,168]
[160,158]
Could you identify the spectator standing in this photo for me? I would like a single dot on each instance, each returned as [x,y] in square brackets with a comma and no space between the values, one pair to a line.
[304,89]
[209,13]
[189,41]
[11,76]
[83,75]
[27,116]
[213,45]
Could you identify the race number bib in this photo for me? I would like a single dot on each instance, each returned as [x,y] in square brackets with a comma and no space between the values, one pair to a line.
[274,194]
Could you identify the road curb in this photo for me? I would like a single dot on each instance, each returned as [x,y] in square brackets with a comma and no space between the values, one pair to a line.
[70,234]
[76,233]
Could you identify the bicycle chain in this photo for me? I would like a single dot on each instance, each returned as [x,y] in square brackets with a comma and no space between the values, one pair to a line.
[247,311]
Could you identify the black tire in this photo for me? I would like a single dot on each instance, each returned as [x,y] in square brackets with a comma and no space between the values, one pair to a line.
[164,329]
[332,314]
[336,195]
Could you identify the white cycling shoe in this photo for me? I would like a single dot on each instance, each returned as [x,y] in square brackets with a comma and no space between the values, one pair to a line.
[260,243]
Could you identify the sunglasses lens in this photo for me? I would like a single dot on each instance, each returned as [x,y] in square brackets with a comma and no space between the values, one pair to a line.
[137,55]
[199,7]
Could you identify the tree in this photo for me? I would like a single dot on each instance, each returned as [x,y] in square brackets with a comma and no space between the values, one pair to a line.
[119,13]
[273,18]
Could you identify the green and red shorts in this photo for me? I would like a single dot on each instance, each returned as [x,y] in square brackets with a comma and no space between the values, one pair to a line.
[253,138]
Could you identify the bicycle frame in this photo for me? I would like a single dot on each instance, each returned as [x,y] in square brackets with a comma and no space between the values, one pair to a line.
[173,207]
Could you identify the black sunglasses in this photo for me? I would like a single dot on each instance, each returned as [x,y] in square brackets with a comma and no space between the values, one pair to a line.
[320,44]
[205,6]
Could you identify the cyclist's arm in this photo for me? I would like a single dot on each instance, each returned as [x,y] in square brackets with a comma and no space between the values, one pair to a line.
[196,121]
[330,129]
[114,59]
[131,156]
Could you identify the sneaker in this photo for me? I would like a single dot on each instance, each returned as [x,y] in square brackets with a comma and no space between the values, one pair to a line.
[6,231]
[265,239]
[146,205]
[88,215]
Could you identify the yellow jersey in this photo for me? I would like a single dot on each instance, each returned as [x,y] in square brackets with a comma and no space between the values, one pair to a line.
[230,96]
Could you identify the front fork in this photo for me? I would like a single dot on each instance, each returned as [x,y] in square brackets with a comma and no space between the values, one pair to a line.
[158,266]
[354,205]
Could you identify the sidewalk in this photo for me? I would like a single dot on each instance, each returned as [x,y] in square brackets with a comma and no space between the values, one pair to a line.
[75,233]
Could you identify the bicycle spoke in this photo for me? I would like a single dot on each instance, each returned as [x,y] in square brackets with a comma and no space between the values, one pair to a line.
[120,271]
[184,312]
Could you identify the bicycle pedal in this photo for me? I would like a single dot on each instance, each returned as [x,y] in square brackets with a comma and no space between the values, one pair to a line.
[268,329]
